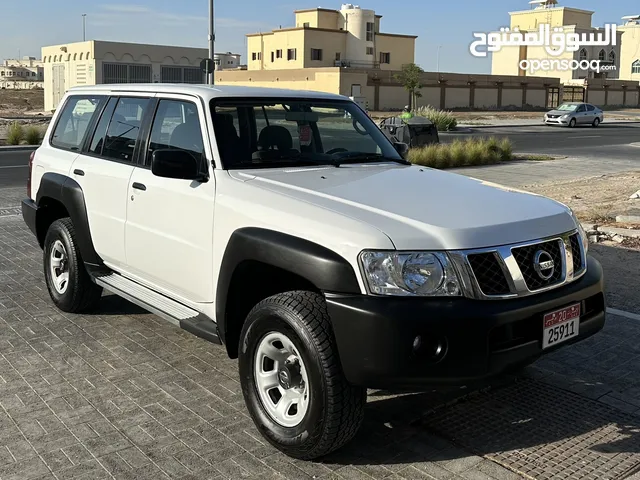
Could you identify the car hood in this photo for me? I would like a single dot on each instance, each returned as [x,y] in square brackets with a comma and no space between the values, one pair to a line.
[560,112]
[418,207]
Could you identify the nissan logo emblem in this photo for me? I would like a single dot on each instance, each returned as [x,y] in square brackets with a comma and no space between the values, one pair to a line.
[544,265]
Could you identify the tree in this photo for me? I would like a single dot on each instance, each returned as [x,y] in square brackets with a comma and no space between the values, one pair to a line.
[410,79]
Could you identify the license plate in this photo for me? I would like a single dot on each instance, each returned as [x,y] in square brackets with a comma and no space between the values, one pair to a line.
[561,325]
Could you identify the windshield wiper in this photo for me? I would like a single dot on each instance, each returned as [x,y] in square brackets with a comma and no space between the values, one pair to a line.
[364,157]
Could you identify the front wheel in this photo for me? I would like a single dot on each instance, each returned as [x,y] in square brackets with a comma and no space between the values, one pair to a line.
[292,380]
[596,122]
[572,123]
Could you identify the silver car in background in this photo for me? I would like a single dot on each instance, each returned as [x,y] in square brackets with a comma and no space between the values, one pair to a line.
[574,113]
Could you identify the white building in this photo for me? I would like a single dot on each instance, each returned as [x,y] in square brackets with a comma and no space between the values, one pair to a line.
[226,61]
[26,73]
[97,62]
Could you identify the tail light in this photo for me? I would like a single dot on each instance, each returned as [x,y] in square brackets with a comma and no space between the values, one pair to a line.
[31,157]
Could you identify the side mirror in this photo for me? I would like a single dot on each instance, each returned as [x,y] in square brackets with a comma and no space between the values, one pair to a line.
[402,148]
[179,164]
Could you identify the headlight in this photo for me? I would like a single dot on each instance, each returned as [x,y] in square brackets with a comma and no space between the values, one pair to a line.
[583,235]
[565,116]
[422,274]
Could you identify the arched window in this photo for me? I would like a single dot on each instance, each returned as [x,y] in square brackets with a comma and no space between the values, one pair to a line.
[88,55]
[635,68]
[583,54]
[81,56]
[602,56]
[612,56]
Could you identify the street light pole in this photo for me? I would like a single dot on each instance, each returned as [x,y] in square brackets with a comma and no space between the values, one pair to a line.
[439,47]
[212,39]
[84,27]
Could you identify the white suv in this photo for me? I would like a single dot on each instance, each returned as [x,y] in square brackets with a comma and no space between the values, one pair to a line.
[287,227]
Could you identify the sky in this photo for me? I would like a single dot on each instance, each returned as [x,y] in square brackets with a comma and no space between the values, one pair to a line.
[448,24]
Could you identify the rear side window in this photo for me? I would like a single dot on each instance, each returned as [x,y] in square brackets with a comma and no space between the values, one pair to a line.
[591,108]
[71,128]
[124,128]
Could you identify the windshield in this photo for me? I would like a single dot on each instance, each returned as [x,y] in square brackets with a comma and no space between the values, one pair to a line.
[270,133]
[568,107]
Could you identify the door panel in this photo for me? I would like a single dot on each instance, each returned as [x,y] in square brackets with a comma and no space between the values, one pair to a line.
[105,170]
[169,230]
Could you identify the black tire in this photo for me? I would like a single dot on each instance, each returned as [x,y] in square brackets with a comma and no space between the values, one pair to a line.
[573,123]
[81,293]
[596,122]
[336,408]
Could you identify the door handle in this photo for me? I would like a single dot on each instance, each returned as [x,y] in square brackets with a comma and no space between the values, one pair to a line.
[78,172]
[139,186]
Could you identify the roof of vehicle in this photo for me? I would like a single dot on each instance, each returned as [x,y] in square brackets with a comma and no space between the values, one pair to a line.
[207,91]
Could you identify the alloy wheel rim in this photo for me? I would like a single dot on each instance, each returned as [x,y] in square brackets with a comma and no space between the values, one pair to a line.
[281,379]
[59,267]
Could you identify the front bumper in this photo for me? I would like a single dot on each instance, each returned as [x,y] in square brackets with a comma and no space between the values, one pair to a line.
[480,339]
[557,121]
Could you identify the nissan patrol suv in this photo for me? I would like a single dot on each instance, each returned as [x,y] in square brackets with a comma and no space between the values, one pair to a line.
[287,227]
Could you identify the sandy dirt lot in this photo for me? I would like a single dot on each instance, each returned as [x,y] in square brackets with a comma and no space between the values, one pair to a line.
[20,102]
[596,199]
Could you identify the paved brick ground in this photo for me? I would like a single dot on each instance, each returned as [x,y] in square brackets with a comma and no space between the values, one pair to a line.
[124,394]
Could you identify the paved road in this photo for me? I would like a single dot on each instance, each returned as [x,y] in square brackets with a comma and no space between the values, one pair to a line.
[544,139]
[13,168]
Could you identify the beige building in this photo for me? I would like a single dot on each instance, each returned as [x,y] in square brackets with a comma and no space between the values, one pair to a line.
[349,38]
[97,62]
[507,61]
[630,51]
[26,73]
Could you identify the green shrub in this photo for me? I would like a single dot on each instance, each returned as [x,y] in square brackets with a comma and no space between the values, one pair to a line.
[444,120]
[15,134]
[33,135]
[460,153]
[506,150]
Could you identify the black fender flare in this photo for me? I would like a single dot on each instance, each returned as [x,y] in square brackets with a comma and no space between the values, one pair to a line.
[324,268]
[69,193]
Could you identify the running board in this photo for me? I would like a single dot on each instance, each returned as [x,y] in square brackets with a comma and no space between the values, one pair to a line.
[178,314]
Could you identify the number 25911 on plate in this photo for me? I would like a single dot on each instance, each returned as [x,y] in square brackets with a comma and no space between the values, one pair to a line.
[561,325]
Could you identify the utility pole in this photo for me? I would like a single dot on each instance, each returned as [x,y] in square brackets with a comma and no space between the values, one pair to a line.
[212,39]
[439,47]
[84,27]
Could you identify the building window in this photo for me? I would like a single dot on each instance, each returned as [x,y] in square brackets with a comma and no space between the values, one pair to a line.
[635,68]
[316,54]
[369,50]
[273,57]
[370,28]
[254,56]
[305,24]
[176,74]
[385,57]
[583,54]
[602,56]
[612,56]
[123,73]
[291,54]
[338,56]
[278,53]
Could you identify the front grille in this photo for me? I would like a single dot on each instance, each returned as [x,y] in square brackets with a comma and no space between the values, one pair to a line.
[576,252]
[489,274]
[525,257]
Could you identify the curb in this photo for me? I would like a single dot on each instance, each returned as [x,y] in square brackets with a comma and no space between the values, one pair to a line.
[18,148]
[540,124]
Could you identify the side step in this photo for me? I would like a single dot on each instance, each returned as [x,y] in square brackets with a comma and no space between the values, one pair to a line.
[178,314]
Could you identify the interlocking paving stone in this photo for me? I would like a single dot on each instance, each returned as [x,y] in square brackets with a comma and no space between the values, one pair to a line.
[543,432]
[122,394]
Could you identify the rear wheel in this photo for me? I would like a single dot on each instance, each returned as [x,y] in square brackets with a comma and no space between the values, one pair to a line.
[67,280]
[292,380]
